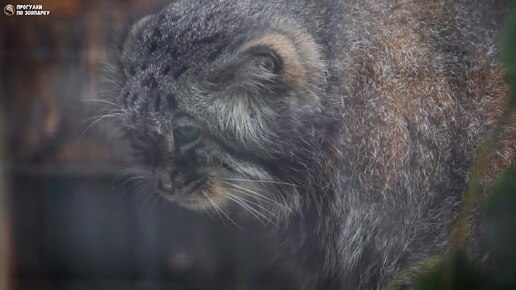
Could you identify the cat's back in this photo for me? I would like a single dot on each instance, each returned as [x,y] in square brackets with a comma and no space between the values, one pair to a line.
[419,88]
[420,83]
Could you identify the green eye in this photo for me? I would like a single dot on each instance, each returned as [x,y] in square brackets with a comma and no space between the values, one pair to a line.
[185,135]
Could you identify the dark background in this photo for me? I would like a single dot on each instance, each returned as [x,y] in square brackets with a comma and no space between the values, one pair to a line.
[67,222]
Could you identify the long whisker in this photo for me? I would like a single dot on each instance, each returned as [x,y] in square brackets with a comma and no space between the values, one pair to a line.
[113,115]
[261,181]
[254,193]
[256,197]
[134,180]
[91,125]
[244,206]
[205,210]
[101,101]
[220,210]
[215,207]
[252,202]
[247,205]
[133,170]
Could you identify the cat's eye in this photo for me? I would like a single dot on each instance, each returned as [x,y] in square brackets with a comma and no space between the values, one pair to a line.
[186,134]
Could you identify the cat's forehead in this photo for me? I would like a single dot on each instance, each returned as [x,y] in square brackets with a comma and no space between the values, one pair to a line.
[184,39]
[153,100]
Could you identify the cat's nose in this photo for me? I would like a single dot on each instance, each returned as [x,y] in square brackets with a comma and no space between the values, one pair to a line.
[164,181]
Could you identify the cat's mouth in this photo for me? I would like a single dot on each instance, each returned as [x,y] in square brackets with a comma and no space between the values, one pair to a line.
[216,188]
[200,193]
[207,195]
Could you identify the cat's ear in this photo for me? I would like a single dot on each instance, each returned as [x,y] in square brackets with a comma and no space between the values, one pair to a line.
[274,60]
[261,59]
[126,38]
[137,27]
[125,41]
[278,55]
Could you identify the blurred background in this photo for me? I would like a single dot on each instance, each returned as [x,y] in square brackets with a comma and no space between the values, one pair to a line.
[66,222]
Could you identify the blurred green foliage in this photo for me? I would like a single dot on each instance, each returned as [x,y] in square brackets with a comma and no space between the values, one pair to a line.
[454,273]
[508,54]
[500,231]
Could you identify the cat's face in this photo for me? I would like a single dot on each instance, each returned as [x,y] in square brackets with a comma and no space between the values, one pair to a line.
[218,115]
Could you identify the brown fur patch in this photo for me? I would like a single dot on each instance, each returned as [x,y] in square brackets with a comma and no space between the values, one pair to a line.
[487,82]
[412,94]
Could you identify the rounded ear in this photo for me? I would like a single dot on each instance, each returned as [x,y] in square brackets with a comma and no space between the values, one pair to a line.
[134,31]
[292,69]
[272,63]
[264,57]
[273,58]
[250,69]
[137,27]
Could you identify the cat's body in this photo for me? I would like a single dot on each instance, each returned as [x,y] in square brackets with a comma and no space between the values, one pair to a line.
[350,125]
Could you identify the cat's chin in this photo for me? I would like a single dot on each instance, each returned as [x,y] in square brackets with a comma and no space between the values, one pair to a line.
[208,196]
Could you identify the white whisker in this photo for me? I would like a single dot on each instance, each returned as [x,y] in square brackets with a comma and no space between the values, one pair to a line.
[256,194]
[101,101]
[246,204]
[247,207]
[91,125]
[260,181]
[218,209]
[113,115]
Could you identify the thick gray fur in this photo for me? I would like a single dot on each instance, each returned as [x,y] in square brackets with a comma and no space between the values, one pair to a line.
[359,166]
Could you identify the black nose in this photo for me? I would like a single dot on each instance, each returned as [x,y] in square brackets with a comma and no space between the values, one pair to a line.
[164,180]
